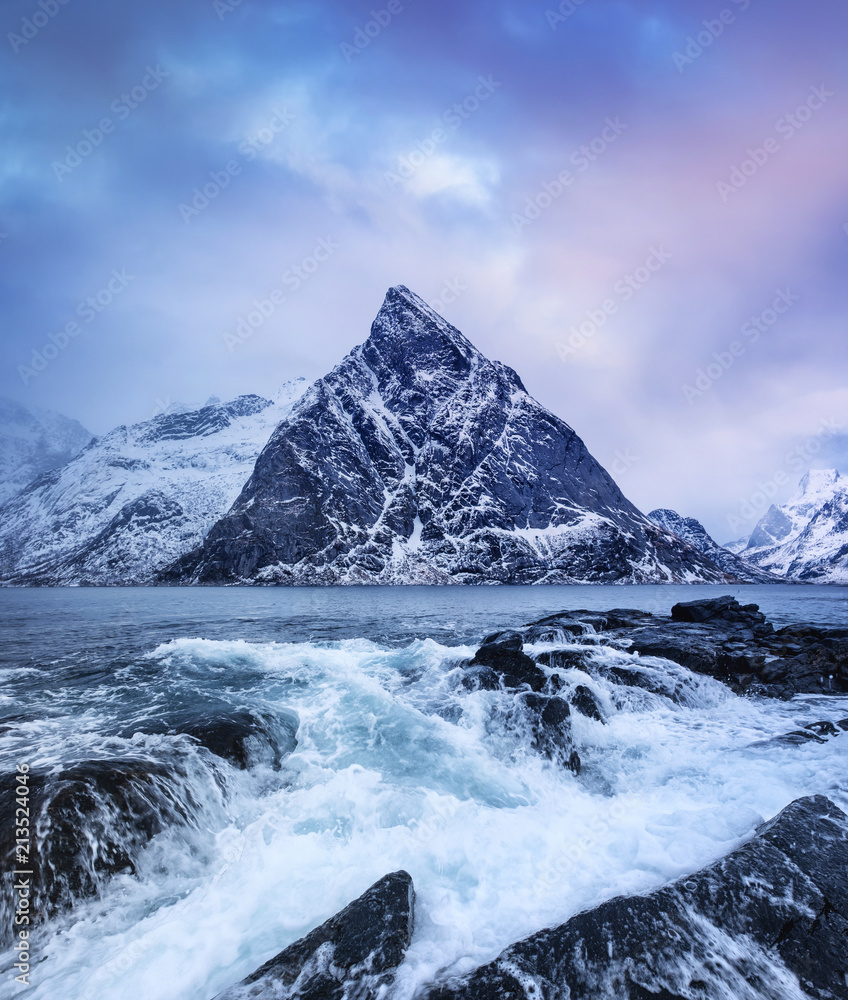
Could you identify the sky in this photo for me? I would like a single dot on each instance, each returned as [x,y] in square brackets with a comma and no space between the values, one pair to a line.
[640,205]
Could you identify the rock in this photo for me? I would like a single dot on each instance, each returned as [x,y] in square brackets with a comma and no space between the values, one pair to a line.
[769,921]
[90,823]
[502,652]
[244,738]
[551,727]
[724,608]
[814,732]
[698,656]
[353,956]
[583,701]
[717,637]
[564,659]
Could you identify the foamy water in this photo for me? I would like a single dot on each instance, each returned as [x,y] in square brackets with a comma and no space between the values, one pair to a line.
[397,766]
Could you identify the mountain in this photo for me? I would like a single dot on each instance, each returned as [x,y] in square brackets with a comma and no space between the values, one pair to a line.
[418,460]
[33,442]
[806,539]
[695,533]
[138,498]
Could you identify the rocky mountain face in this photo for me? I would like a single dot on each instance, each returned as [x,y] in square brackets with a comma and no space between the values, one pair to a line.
[138,498]
[806,539]
[418,460]
[33,442]
[695,534]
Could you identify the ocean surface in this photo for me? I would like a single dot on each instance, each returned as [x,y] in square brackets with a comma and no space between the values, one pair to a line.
[396,765]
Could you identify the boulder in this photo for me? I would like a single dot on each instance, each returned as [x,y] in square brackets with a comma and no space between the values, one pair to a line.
[769,921]
[91,821]
[244,737]
[583,701]
[550,723]
[353,956]
[503,653]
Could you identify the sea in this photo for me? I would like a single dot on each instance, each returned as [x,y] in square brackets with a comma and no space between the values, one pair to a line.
[394,764]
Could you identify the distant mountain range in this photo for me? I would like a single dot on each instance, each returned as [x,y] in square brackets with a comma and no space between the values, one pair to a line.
[695,533]
[416,460]
[33,442]
[805,539]
[137,498]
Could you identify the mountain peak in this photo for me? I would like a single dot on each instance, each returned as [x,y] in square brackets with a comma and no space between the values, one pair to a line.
[817,481]
[409,331]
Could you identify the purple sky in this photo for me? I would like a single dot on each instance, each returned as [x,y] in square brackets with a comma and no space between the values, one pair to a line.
[529,169]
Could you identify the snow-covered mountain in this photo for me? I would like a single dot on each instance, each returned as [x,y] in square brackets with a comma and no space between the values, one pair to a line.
[806,539]
[138,498]
[33,442]
[418,460]
[696,534]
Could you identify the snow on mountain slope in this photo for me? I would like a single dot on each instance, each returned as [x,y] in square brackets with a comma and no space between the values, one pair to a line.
[138,498]
[695,533]
[418,460]
[806,539]
[33,442]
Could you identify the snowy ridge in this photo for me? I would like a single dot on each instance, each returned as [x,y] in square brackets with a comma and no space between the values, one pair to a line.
[806,539]
[418,460]
[33,442]
[137,498]
[693,532]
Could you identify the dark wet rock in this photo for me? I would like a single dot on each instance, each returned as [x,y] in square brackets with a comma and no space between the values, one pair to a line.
[353,956]
[556,628]
[813,732]
[768,921]
[90,822]
[245,737]
[503,653]
[823,728]
[583,701]
[564,659]
[694,653]
[723,639]
[725,609]
[550,723]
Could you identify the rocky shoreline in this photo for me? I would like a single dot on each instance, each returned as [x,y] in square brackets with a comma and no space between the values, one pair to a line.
[768,921]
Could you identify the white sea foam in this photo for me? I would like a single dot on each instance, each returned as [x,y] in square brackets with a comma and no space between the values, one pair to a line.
[398,766]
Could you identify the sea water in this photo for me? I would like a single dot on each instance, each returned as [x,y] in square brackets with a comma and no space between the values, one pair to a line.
[397,766]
